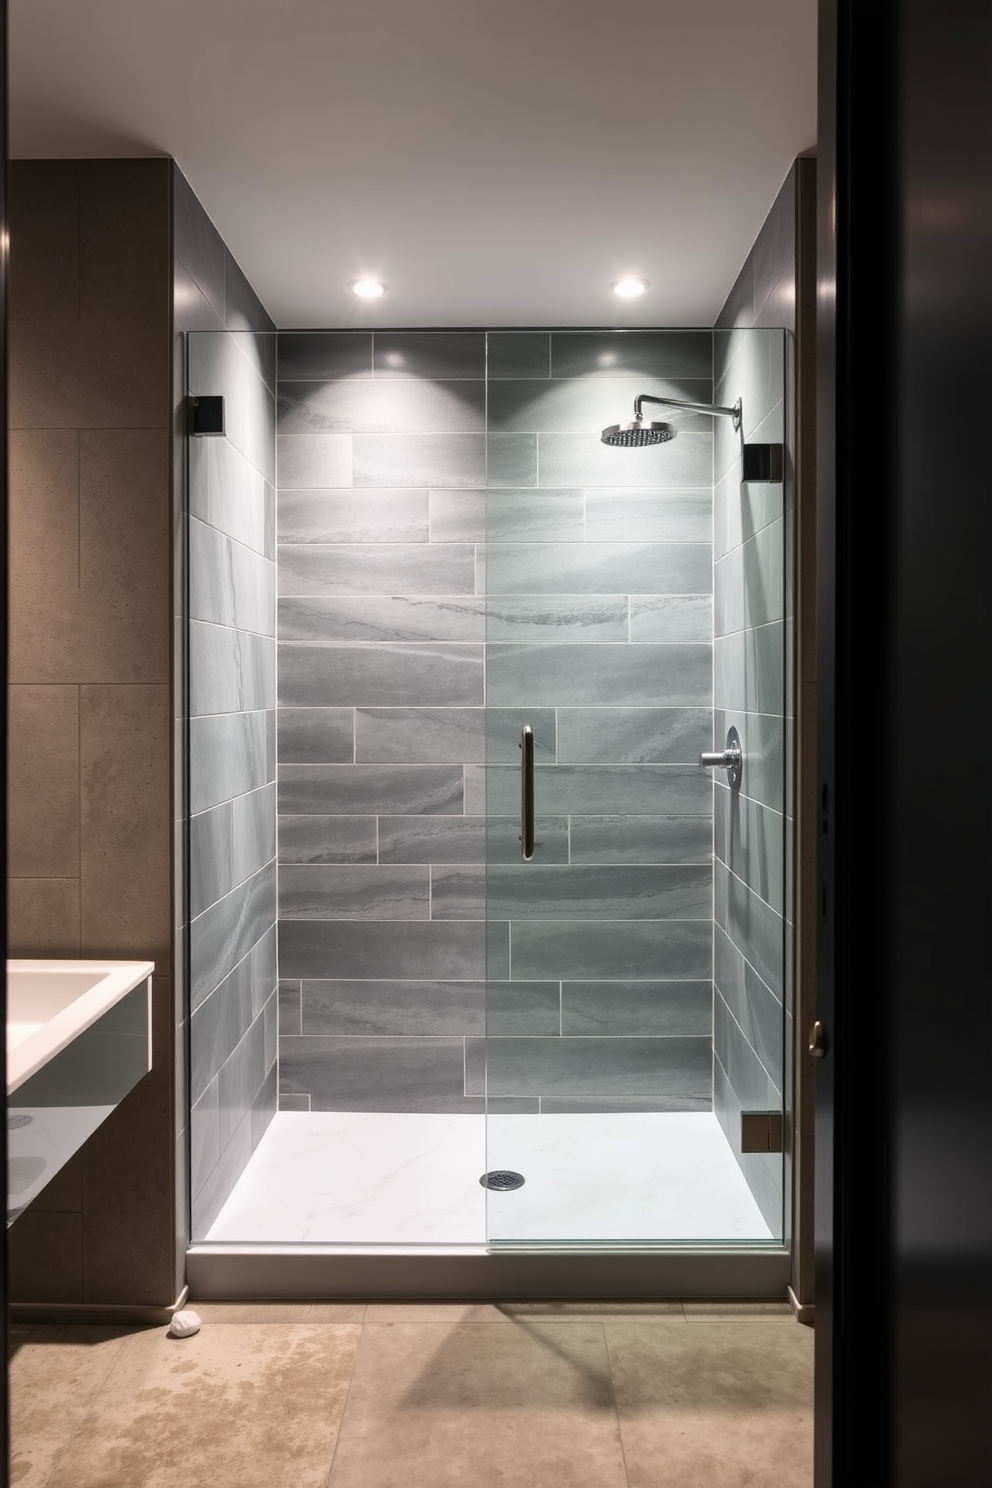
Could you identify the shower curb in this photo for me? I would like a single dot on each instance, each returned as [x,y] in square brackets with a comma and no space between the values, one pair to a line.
[297,1274]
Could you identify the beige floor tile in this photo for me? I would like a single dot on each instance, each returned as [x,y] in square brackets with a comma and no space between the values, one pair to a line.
[228,1408]
[55,1374]
[336,1312]
[437,1405]
[728,1405]
[253,1312]
[430,1312]
[753,1310]
[570,1312]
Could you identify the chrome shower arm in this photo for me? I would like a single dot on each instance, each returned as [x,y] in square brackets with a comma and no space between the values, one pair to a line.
[714,410]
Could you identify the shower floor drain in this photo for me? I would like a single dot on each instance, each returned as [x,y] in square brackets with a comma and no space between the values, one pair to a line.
[502,1180]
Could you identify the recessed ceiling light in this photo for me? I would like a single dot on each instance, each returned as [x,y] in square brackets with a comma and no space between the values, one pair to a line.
[629,288]
[367,289]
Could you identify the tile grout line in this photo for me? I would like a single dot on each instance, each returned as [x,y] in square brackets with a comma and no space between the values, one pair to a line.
[616,1408]
[344,1408]
[86,1413]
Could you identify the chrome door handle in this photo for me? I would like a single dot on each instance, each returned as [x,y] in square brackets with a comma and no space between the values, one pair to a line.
[730,759]
[526,793]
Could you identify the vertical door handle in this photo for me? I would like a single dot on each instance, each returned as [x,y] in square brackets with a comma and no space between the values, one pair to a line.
[526,793]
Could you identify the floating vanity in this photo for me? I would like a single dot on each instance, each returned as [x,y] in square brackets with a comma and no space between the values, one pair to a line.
[78,1040]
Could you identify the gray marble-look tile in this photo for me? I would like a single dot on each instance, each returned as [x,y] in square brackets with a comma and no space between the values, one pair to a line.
[606,568]
[293,1102]
[316,736]
[451,459]
[763,746]
[390,674]
[671,617]
[763,1171]
[392,617]
[589,1067]
[583,404]
[227,492]
[522,1009]
[218,1025]
[537,891]
[758,1012]
[641,839]
[230,671]
[649,516]
[750,839]
[204,1135]
[229,755]
[228,365]
[550,839]
[612,1009]
[749,1078]
[596,950]
[755,929]
[606,675]
[755,373]
[607,1105]
[534,516]
[581,459]
[511,460]
[349,516]
[421,839]
[327,839]
[229,584]
[344,891]
[314,355]
[313,456]
[419,735]
[556,617]
[749,583]
[239,1079]
[364,790]
[264,960]
[290,1007]
[655,355]
[418,949]
[503,727]
[229,843]
[429,355]
[382,406]
[219,1182]
[420,1009]
[457,516]
[377,569]
[458,892]
[604,790]
[244,313]
[225,933]
[518,354]
[377,1074]
[740,509]
[198,244]
[635,736]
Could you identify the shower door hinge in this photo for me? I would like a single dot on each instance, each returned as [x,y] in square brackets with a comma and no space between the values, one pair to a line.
[762,1131]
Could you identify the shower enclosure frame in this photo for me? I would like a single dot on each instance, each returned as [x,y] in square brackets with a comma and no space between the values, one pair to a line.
[577,1271]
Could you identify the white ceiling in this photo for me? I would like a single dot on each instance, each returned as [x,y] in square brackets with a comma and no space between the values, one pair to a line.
[497,162]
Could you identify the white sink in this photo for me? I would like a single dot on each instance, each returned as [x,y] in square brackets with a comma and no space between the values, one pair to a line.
[50,1003]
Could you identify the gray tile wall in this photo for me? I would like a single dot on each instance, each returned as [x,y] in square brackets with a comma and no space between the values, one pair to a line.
[752,672]
[443,546]
[231,737]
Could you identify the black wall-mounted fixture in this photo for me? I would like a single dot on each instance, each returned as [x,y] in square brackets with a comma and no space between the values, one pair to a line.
[206,415]
[762,462]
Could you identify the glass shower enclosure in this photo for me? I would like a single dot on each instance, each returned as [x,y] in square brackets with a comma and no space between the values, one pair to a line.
[465,905]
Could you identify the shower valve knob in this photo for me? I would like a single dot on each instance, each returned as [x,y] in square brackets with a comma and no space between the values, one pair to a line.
[730,759]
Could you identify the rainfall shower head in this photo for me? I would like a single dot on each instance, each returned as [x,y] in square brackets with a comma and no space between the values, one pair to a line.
[637,433]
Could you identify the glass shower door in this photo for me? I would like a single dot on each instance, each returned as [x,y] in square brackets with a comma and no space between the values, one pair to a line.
[629,1021]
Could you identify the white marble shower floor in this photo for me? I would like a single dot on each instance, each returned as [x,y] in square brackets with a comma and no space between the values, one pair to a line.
[356,1179]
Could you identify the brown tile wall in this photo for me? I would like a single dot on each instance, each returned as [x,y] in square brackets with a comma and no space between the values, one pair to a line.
[90,837]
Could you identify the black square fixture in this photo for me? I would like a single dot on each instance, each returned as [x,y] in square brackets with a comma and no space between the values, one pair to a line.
[206,415]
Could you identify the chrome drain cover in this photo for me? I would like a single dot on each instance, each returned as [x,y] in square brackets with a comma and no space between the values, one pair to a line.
[502,1179]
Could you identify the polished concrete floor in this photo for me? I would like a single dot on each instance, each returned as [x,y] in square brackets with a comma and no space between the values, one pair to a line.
[325,1395]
